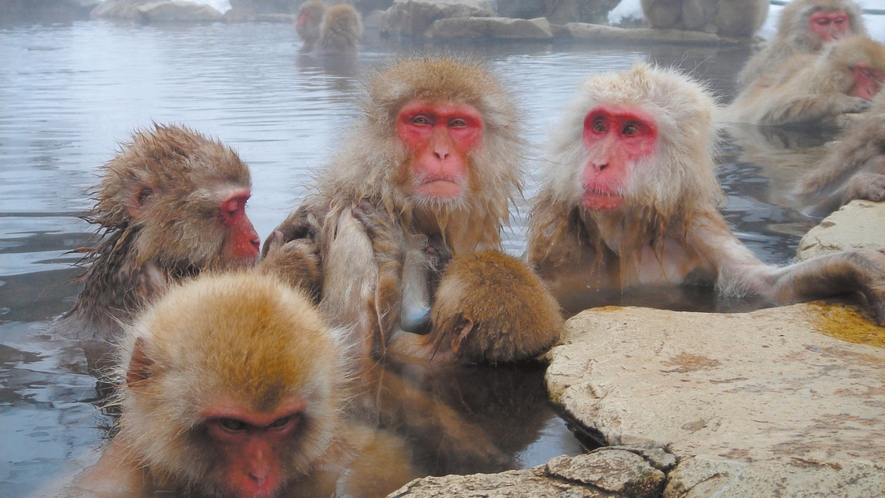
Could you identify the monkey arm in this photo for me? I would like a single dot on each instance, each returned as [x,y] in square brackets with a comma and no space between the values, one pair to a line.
[805,108]
[741,273]
[115,475]
[295,261]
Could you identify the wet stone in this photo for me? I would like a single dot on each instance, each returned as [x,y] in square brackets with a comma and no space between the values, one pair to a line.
[857,225]
[490,27]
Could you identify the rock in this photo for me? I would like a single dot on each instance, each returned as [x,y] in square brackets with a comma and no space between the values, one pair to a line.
[606,472]
[49,11]
[267,6]
[585,11]
[156,11]
[240,15]
[594,32]
[754,404]
[472,28]
[413,17]
[857,225]
[522,9]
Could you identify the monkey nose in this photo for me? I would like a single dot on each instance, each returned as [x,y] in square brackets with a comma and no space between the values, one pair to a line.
[444,154]
[600,166]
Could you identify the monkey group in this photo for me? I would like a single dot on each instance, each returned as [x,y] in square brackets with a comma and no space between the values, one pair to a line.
[334,30]
[290,371]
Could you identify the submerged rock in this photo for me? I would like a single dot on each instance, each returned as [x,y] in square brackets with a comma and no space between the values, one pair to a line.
[473,28]
[754,404]
[858,224]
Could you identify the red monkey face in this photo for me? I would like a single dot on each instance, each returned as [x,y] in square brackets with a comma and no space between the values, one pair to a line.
[440,136]
[616,138]
[829,26]
[253,446]
[244,241]
[867,82]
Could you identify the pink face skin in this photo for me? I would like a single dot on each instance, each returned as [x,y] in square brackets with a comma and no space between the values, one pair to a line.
[303,19]
[441,136]
[253,446]
[616,137]
[829,26]
[244,239]
[867,82]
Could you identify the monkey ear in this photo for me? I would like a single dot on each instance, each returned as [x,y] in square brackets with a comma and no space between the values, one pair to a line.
[140,364]
[139,198]
[461,331]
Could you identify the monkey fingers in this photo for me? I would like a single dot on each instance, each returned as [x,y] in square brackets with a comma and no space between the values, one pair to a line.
[868,186]
[302,224]
[297,261]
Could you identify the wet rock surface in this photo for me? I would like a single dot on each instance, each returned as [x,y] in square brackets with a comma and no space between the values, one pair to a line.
[754,404]
[610,471]
[411,18]
[477,28]
[858,224]
[598,32]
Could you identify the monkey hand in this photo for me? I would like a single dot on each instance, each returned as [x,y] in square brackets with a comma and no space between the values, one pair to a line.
[868,186]
[385,231]
[296,261]
[302,224]
[855,104]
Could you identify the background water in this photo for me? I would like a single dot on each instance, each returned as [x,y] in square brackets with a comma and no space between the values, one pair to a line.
[70,93]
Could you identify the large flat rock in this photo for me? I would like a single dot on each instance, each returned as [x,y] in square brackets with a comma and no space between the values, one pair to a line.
[476,28]
[858,224]
[598,32]
[756,404]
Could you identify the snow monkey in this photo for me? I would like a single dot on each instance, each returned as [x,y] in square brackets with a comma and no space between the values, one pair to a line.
[817,89]
[341,30]
[804,27]
[171,204]
[307,25]
[630,199]
[733,18]
[232,385]
[853,169]
[437,155]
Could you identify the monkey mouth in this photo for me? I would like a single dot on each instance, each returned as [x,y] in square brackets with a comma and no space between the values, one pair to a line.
[440,189]
[600,201]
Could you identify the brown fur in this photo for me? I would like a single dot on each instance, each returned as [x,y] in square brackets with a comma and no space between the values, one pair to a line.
[668,230]
[181,176]
[810,88]
[309,29]
[341,29]
[492,308]
[794,36]
[853,169]
[733,18]
[249,337]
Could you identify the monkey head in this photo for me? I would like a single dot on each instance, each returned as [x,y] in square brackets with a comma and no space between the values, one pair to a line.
[185,196]
[861,61]
[229,386]
[639,135]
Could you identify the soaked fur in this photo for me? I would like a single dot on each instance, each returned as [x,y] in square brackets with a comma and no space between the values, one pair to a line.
[341,29]
[809,88]
[734,18]
[853,169]
[180,177]
[668,232]
[794,37]
[310,18]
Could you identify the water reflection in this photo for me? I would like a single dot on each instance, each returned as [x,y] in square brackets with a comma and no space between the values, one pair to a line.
[69,93]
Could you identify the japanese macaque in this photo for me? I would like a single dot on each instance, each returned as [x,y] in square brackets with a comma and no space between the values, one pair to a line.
[437,153]
[171,204]
[489,308]
[804,27]
[818,89]
[307,25]
[232,385]
[853,169]
[732,18]
[630,199]
[341,30]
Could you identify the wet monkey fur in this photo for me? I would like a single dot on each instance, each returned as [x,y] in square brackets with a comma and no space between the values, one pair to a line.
[171,204]
[630,199]
[804,27]
[233,386]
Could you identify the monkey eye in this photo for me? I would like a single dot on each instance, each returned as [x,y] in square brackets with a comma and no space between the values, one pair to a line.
[231,207]
[458,123]
[232,424]
[282,423]
[630,129]
[598,126]
[421,120]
